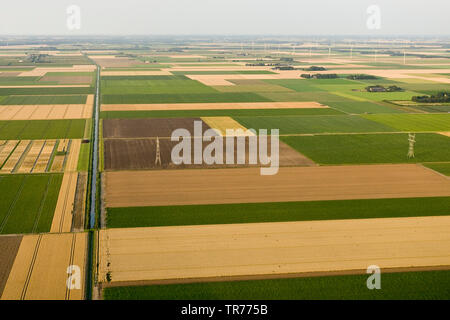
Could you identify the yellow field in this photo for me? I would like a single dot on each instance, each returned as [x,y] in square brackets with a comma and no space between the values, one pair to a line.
[72,158]
[15,157]
[6,149]
[31,157]
[62,218]
[39,271]
[44,157]
[221,124]
[46,112]
[273,248]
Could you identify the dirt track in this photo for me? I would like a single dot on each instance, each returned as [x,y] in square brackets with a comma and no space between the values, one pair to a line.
[180,187]
[273,248]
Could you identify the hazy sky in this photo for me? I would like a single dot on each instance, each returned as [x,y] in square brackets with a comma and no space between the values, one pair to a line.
[226,17]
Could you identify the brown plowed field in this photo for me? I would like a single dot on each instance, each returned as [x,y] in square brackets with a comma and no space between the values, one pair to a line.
[140,154]
[204,186]
[273,248]
[9,245]
[142,128]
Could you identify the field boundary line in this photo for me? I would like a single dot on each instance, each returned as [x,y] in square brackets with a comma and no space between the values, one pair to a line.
[36,220]
[72,252]
[30,269]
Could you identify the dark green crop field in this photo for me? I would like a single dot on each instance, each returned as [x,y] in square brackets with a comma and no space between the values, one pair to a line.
[42,129]
[276,212]
[216,113]
[32,100]
[395,286]
[371,148]
[183,98]
[28,202]
[314,124]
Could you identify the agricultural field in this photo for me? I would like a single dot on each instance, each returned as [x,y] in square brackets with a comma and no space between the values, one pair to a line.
[45,112]
[346,287]
[361,168]
[42,129]
[28,202]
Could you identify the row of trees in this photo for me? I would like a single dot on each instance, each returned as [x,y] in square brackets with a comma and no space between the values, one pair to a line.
[440,97]
[319,76]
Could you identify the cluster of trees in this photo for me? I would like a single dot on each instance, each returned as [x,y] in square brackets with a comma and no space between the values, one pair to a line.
[319,76]
[361,77]
[314,68]
[379,88]
[440,97]
[284,68]
[37,58]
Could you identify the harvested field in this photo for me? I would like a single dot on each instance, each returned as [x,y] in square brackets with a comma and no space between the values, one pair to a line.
[40,72]
[9,245]
[15,157]
[222,124]
[140,154]
[58,163]
[39,271]
[212,106]
[44,158]
[64,80]
[72,158]
[31,157]
[34,158]
[115,62]
[180,187]
[195,252]
[63,145]
[6,149]
[140,128]
[44,112]
[62,219]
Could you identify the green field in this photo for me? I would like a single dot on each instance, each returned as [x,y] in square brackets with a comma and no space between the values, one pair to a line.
[147,85]
[413,122]
[216,113]
[45,91]
[28,202]
[32,100]
[406,285]
[314,124]
[42,129]
[358,107]
[183,98]
[371,148]
[84,157]
[443,168]
[275,212]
